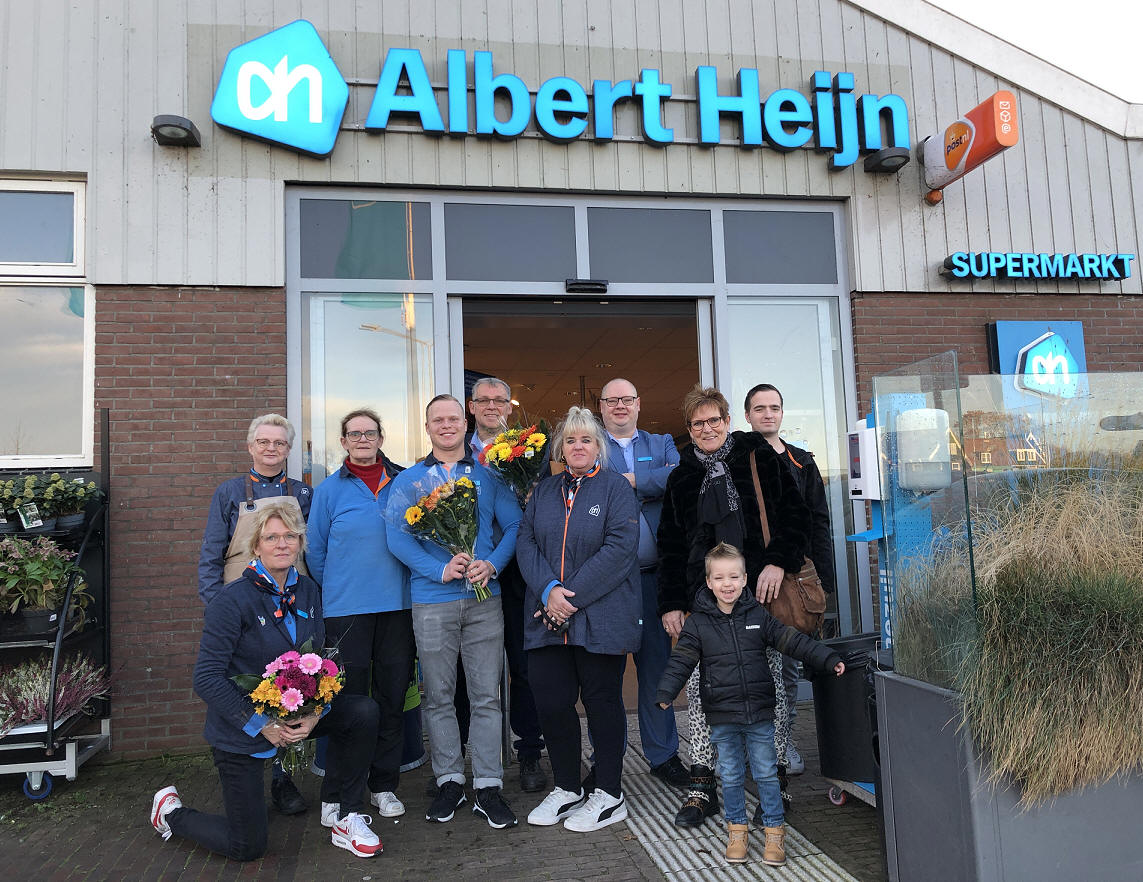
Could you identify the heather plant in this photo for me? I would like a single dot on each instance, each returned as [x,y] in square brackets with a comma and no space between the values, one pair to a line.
[24,690]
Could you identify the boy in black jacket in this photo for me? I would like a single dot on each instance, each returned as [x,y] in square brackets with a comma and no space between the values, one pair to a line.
[729,632]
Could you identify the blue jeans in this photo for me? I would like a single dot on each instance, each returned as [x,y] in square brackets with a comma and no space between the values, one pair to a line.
[473,630]
[657,730]
[735,741]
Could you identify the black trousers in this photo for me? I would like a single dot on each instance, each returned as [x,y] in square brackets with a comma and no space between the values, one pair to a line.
[351,725]
[376,650]
[561,675]
[522,713]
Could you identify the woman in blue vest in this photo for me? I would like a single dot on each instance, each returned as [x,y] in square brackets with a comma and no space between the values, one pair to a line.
[270,610]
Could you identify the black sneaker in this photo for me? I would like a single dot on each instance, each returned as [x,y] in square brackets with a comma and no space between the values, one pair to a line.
[286,797]
[532,778]
[673,772]
[449,798]
[491,804]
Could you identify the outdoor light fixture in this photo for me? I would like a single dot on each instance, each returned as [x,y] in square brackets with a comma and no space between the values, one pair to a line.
[585,286]
[888,160]
[169,130]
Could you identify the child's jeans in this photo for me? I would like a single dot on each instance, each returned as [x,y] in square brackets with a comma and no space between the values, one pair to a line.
[736,742]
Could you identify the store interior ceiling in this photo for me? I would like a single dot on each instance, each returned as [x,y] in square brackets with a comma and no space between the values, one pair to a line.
[559,353]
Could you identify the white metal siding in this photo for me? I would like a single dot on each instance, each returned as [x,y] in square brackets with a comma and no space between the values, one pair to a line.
[80,83]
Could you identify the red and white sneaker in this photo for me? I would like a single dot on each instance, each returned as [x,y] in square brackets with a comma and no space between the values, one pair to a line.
[165,801]
[353,834]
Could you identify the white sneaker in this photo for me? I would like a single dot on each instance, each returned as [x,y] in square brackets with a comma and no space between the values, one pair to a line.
[353,834]
[330,812]
[388,804]
[556,806]
[795,765]
[165,801]
[600,810]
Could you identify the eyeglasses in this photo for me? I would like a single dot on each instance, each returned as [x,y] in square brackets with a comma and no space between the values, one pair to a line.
[627,400]
[482,402]
[275,538]
[368,435]
[265,443]
[713,423]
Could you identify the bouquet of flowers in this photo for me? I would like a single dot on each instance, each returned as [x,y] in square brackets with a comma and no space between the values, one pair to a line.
[446,516]
[295,685]
[516,455]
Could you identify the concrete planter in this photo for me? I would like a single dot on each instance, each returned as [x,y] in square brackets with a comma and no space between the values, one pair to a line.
[943,822]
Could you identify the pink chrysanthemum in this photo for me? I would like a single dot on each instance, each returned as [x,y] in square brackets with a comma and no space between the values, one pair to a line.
[329,667]
[310,663]
[292,699]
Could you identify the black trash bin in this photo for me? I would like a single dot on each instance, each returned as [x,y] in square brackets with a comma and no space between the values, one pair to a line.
[841,710]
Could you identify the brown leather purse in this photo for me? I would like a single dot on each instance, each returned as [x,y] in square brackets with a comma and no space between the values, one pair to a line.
[801,601]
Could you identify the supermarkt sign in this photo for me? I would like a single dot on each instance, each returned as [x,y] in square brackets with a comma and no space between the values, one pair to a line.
[284,87]
[1030,265]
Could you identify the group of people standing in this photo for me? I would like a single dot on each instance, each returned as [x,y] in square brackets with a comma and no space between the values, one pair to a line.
[607,557]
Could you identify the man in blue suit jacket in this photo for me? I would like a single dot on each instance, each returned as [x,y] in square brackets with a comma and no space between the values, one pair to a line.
[645,460]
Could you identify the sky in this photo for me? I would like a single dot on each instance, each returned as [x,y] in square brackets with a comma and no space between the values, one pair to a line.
[1097,40]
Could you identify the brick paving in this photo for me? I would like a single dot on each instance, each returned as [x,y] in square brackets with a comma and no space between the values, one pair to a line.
[96,828]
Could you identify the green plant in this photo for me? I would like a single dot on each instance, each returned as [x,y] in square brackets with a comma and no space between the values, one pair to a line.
[35,488]
[34,575]
[72,497]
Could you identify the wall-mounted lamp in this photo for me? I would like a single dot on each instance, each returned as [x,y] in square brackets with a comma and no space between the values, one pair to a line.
[887,161]
[169,130]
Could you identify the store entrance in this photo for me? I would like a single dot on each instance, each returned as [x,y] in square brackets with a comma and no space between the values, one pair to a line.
[555,353]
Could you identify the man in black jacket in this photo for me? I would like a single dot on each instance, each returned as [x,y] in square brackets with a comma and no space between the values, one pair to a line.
[764,412]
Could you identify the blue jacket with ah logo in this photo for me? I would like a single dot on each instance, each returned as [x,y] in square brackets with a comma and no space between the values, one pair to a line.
[592,553]
[240,635]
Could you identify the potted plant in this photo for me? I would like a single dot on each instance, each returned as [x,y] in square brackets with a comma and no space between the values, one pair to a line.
[34,575]
[71,500]
[33,496]
[24,690]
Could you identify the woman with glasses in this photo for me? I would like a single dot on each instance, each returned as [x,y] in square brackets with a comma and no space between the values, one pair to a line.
[709,499]
[365,592]
[271,609]
[229,529]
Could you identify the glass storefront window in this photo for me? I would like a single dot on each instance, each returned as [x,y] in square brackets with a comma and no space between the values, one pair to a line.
[365,239]
[780,247]
[364,350]
[653,245]
[511,243]
[43,396]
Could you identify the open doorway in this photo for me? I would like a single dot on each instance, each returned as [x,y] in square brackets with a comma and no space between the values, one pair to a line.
[556,353]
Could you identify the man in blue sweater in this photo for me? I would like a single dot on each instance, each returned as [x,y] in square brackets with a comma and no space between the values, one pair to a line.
[449,621]
[646,460]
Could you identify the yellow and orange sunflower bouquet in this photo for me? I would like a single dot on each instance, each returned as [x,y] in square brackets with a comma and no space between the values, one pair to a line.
[446,516]
[517,456]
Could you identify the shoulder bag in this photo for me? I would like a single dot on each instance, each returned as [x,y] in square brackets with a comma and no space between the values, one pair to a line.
[801,601]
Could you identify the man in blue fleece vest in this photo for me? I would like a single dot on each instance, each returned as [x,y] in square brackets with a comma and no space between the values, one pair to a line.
[449,621]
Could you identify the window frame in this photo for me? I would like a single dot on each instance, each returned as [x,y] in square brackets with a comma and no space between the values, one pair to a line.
[76,269]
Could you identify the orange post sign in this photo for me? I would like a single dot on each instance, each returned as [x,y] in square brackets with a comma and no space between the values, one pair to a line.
[980,134]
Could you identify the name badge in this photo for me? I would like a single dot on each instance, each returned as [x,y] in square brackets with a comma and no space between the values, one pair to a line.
[644,459]
[753,627]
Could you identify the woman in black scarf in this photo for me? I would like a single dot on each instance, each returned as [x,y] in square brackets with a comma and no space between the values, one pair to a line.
[710,498]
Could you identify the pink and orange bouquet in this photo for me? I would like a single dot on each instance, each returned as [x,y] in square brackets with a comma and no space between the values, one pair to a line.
[294,685]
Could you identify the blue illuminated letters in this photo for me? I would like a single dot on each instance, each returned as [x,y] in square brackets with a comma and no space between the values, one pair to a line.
[1027,265]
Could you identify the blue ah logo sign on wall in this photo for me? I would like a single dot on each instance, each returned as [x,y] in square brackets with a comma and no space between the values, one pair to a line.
[1043,358]
[283,87]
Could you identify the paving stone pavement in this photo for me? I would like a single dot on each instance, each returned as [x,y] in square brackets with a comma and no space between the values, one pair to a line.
[96,828]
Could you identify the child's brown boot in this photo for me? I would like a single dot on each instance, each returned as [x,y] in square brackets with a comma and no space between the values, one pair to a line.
[736,846]
[774,854]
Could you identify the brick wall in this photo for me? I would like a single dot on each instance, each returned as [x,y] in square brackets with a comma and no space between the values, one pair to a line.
[182,370]
[894,329]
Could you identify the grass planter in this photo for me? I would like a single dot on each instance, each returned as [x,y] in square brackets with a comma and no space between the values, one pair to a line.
[949,816]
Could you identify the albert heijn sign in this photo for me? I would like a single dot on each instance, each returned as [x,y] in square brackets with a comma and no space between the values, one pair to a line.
[284,87]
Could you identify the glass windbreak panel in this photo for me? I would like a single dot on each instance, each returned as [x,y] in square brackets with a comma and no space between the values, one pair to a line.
[364,350]
[928,599]
[37,227]
[42,363]
[365,239]
[511,243]
[794,344]
[650,245]
[780,247]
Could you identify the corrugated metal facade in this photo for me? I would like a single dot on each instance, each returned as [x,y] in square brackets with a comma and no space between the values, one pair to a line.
[81,82]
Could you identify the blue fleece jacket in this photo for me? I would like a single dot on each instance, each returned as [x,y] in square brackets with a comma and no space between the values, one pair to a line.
[347,547]
[496,507]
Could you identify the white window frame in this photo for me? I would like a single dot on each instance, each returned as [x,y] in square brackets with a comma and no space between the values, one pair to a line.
[59,275]
[76,268]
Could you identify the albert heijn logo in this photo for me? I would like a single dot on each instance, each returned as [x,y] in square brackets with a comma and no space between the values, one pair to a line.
[283,87]
[1047,366]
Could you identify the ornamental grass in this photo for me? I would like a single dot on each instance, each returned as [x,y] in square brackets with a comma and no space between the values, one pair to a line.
[1050,664]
